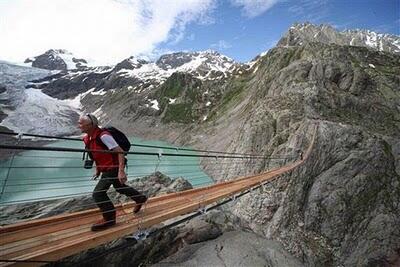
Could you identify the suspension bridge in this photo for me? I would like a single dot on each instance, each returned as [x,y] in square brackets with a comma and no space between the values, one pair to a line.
[42,241]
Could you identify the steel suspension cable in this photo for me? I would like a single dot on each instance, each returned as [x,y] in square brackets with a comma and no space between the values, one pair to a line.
[136,145]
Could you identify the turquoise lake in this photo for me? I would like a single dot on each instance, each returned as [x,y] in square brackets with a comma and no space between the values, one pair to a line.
[38,175]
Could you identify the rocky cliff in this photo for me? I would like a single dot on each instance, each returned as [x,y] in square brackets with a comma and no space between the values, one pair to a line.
[301,33]
[342,207]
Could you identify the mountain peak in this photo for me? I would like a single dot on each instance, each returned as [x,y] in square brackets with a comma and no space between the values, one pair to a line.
[57,59]
[130,63]
[194,60]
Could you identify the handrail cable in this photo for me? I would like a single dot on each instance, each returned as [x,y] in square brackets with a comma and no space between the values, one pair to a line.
[132,165]
[133,144]
[64,149]
[210,166]
[131,177]
[138,165]
[74,186]
[6,203]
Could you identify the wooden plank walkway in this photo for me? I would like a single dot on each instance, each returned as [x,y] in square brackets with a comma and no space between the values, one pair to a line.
[54,238]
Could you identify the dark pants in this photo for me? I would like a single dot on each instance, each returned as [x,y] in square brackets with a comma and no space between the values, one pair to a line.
[103,201]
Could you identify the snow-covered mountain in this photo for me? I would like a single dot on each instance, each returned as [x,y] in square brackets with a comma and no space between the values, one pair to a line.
[138,73]
[301,33]
[30,110]
[56,59]
[204,65]
[37,100]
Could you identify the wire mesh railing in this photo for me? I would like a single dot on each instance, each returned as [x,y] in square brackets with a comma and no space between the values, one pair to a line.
[49,173]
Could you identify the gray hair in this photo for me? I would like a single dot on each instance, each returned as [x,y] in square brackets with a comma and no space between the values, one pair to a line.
[90,118]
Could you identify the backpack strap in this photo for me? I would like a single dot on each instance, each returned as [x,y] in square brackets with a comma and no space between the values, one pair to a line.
[86,154]
[98,139]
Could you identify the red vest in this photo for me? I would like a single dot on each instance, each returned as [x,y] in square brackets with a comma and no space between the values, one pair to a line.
[104,161]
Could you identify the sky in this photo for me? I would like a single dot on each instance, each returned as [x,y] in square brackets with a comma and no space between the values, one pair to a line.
[108,31]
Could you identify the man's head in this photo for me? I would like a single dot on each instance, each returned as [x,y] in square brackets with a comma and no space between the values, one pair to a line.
[87,123]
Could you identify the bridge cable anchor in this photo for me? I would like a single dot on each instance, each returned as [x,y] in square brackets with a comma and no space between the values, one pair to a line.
[202,210]
[139,235]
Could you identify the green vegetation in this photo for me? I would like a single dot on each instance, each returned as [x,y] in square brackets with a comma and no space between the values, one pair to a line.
[179,113]
[186,89]
[172,86]
[231,97]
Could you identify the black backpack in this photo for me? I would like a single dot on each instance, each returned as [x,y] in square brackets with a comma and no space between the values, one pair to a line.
[118,136]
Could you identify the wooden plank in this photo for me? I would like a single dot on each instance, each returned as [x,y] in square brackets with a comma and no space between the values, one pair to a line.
[39,229]
[194,204]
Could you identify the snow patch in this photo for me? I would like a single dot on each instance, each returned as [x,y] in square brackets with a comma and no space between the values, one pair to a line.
[74,103]
[208,103]
[371,65]
[172,100]
[154,104]
[100,92]
[371,40]
[255,69]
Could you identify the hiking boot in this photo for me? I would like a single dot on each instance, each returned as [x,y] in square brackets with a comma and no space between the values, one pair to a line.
[139,204]
[102,225]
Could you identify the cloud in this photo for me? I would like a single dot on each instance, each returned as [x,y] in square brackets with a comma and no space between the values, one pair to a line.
[310,10]
[105,30]
[254,8]
[221,45]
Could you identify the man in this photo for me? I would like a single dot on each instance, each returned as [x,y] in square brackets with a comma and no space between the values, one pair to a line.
[111,166]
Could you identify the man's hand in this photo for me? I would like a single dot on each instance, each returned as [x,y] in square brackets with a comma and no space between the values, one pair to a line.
[122,176]
[121,165]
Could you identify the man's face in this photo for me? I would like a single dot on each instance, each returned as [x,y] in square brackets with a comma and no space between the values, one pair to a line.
[84,125]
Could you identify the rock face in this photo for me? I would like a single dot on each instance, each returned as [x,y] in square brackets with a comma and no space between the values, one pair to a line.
[300,34]
[157,246]
[341,207]
[235,248]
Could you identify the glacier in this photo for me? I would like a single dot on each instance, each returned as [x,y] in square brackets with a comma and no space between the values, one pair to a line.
[30,110]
